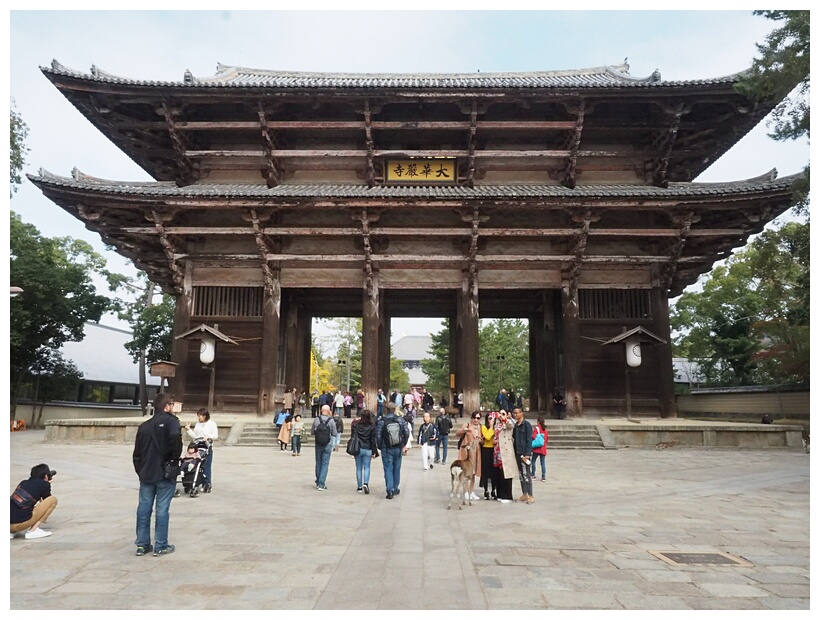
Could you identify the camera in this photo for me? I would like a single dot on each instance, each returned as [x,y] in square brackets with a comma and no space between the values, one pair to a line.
[52,473]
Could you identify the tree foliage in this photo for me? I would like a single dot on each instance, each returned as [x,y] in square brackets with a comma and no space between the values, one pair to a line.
[58,295]
[17,148]
[437,367]
[152,324]
[399,379]
[503,361]
[750,323]
[781,73]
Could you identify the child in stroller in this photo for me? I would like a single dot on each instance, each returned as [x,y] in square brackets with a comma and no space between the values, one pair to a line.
[192,470]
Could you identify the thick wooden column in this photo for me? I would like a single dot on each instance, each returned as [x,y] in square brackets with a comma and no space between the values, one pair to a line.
[454,357]
[384,347]
[535,399]
[182,323]
[269,359]
[292,362]
[571,329]
[666,379]
[305,330]
[370,340]
[468,345]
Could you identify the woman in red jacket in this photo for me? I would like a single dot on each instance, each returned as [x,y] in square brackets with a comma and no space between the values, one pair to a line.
[540,453]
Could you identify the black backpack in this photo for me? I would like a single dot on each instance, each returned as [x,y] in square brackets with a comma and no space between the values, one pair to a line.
[322,433]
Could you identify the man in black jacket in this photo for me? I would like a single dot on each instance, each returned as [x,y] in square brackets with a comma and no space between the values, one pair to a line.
[445,425]
[32,503]
[159,441]
[522,445]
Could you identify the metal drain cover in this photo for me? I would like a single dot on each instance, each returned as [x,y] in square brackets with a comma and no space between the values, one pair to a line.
[679,558]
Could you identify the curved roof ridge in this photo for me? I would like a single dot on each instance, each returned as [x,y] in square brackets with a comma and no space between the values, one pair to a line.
[234,76]
[79,179]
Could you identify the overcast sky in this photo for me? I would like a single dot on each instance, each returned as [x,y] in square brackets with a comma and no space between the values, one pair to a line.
[163,45]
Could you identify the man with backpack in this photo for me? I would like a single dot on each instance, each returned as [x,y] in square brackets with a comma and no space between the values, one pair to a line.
[445,425]
[324,433]
[392,433]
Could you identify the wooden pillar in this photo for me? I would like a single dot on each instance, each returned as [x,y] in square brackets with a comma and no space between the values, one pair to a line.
[179,348]
[292,362]
[269,359]
[535,399]
[305,331]
[571,328]
[468,345]
[666,379]
[384,347]
[453,356]
[370,340]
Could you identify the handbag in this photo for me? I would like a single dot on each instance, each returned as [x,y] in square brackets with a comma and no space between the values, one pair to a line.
[170,471]
[353,447]
[538,442]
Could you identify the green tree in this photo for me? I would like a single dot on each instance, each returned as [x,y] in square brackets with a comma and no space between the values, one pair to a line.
[437,367]
[52,377]
[504,361]
[18,149]
[399,379]
[781,73]
[58,298]
[750,323]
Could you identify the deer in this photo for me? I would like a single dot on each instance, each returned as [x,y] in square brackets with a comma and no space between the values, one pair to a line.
[462,475]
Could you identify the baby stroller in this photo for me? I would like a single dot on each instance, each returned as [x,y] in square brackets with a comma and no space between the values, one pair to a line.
[192,469]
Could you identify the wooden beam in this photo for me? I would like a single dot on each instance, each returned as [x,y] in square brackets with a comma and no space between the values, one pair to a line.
[368,133]
[471,142]
[273,173]
[185,168]
[568,177]
[497,153]
[660,176]
[302,231]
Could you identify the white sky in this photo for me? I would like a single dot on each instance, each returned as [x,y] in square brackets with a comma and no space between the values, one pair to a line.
[162,45]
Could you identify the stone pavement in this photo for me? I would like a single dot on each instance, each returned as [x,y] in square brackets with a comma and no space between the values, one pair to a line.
[266,539]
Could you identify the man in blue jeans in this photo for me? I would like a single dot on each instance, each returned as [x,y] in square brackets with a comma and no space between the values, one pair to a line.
[324,436]
[445,425]
[392,433]
[159,440]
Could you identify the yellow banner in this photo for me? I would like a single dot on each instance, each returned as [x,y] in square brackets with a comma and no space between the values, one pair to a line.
[424,171]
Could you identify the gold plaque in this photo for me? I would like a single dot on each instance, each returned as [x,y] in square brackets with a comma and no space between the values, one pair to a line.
[420,171]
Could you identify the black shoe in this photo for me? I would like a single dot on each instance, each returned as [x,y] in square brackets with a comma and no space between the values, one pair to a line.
[389,495]
[367,489]
[486,495]
[396,492]
[164,551]
[143,549]
[431,467]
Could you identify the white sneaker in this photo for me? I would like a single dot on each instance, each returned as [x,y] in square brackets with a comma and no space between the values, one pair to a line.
[474,496]
[505,501]
[38,533]
[11,535]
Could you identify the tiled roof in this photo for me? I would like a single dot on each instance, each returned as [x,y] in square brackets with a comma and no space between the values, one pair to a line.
[243,77]
[479,192]
[412,348]
[101,356]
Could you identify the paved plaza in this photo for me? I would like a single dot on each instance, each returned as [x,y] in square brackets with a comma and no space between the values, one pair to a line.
[266,539]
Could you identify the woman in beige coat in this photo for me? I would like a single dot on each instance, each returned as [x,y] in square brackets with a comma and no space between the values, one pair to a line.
[471,432]
[504,449]
[284,433]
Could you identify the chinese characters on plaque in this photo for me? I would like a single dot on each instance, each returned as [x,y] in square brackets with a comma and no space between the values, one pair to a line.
[421,171]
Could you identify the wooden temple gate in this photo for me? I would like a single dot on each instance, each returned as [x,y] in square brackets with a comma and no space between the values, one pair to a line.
[565,198]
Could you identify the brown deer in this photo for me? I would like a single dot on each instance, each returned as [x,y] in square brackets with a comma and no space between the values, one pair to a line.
[462,476]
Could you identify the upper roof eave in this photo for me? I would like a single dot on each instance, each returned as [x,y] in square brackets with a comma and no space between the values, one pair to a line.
[168,189]
[230,77]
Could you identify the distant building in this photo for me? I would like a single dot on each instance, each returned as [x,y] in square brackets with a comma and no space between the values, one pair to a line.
[411,350]
[109,373]
[687,372]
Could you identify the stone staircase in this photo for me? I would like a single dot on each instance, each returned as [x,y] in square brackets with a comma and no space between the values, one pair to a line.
[574,436]
[561,436]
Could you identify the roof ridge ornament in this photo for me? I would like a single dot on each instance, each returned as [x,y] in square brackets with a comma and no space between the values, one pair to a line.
[188,77]
[655,77]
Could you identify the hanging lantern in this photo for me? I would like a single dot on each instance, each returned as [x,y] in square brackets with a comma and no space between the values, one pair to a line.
[633,352]
[207,349]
